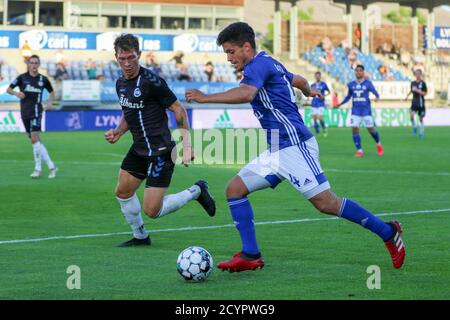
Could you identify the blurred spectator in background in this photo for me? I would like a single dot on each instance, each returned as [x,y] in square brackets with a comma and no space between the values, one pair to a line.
[60,75]
[59,57]
[385,72]
[61,72]
[178,58]
[150,63]
[26,51]
[357,36]
[209,71]
[405,58]
[182,67]
[184,74]
[419,62]
[91,69]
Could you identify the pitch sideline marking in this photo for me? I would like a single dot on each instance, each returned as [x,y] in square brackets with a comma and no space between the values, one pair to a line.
[210,227]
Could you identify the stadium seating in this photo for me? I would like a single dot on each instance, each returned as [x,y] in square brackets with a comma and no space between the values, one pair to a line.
[111,71]
[342,71]
[9,73]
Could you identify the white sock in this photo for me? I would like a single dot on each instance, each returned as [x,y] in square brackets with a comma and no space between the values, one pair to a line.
[422,128]
[46,157]
[131,209]
[173,202]
[37,156]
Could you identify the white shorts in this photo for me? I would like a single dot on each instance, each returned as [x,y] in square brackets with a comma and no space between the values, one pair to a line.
[355,121]
[317,111]
[299,164]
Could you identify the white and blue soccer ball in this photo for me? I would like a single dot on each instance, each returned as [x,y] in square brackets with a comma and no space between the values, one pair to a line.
[195,264]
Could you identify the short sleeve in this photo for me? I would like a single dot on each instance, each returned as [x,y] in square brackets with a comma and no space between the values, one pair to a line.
[48,85]
[255,75]
[161,91]
[425,89]
[16,82]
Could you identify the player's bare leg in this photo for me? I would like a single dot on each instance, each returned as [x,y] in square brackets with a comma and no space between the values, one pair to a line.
[422,127]
[41,153]
[35,142]
[131,208]
[357,141]
[374,133]
[157,204]
[249,258]
[412,116]
[316,123]
[322,124]
[390,232]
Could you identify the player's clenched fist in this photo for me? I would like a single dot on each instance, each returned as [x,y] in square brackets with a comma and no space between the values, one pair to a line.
[112,135]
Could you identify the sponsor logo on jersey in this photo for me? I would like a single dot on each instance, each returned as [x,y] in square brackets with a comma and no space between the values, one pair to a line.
[30,88]
[125,103]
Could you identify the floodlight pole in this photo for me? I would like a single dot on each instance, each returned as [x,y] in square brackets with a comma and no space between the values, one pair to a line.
[293,34]
[277,29]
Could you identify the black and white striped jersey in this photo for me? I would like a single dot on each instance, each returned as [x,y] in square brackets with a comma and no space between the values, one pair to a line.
[144,100]
[33,88]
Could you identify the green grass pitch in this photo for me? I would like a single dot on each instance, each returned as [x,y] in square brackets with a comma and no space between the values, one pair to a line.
[305,259]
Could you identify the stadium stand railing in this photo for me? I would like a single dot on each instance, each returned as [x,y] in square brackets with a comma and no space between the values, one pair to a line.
[342,71]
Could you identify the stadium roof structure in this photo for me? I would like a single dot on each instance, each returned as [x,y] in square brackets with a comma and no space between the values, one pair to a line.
[414,4]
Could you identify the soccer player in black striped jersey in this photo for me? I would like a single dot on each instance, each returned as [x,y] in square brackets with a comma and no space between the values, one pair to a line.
[31,85]
[144,98]
[419,91]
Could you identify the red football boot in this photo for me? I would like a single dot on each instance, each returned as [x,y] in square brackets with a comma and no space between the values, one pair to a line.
[396,246]
[238,264]
[359,154]
[380,149]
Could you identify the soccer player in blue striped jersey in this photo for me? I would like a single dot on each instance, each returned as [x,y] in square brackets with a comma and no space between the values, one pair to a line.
[293,152]
[318,103]
[359,90]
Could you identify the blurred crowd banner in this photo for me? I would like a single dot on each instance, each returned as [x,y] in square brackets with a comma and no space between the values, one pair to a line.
[397,90]
[54,40]
[81,90]
[441,36]
[78,120]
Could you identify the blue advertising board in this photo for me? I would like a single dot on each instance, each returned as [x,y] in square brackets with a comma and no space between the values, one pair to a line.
[39,39]
[79,120]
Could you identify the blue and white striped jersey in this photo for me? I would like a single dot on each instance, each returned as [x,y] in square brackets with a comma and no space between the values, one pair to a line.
[274,105]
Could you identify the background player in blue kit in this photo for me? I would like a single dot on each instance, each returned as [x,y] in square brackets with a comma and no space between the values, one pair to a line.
[318,103]
[293,153]
[359,90]
[32,85]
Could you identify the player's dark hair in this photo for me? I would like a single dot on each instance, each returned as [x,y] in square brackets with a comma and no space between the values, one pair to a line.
[237,33]
[34,56]
[126,42]
[318,72]
[360,66]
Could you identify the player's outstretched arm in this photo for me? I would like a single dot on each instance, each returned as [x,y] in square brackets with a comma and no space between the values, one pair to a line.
[13,92]
[183,125]
[347,98]
[113,135]
[242,94]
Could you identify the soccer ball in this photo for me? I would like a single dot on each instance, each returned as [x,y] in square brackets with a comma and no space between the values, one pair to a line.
[194,264]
